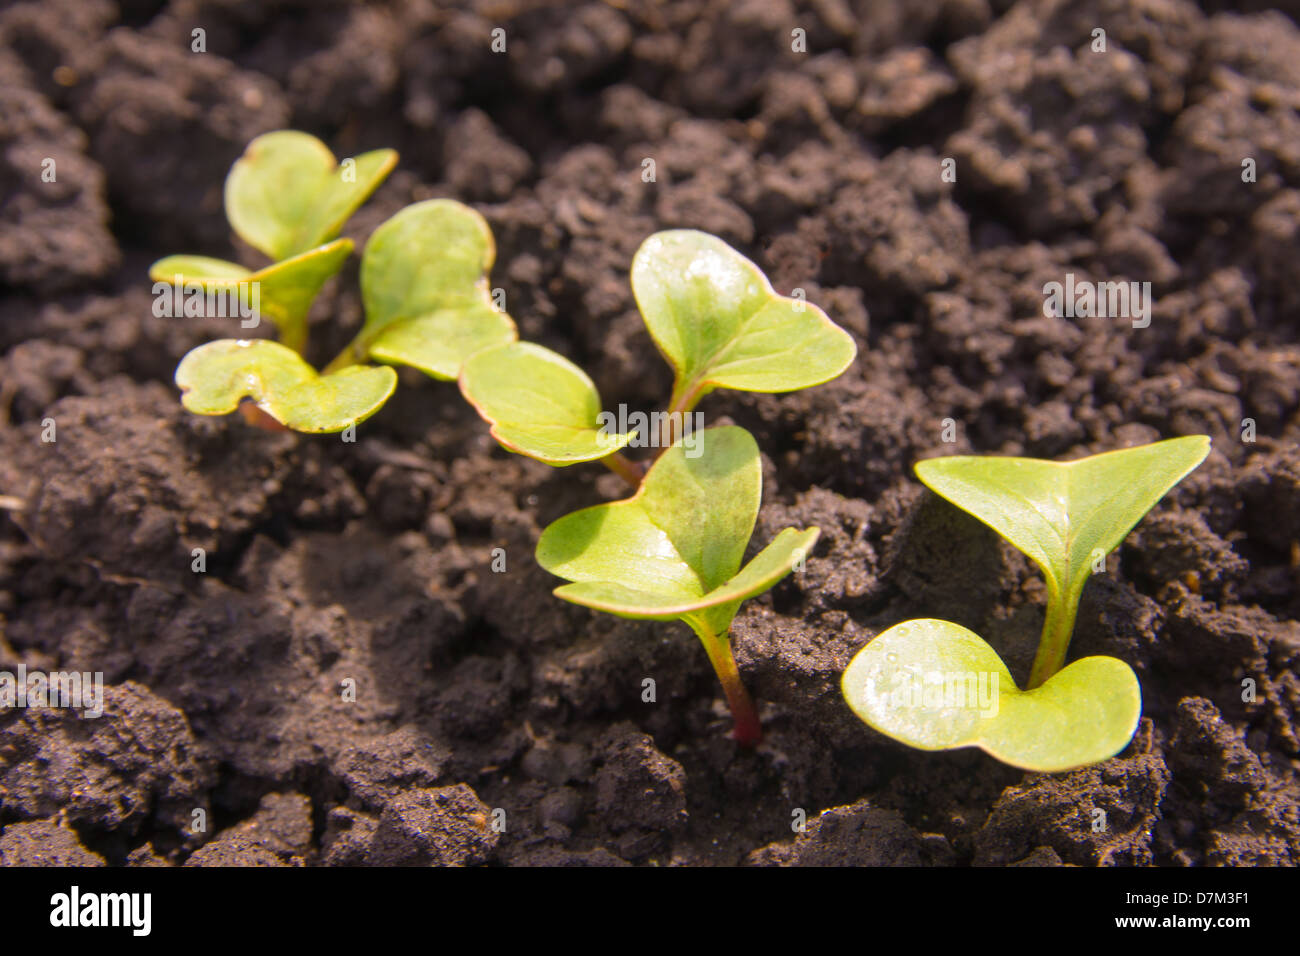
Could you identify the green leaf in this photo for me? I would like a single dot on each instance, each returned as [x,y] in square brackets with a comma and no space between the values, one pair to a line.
[1064,514]
[538,403]
[424,282]
[201,269]
[934,685]
[718,322]
[213,378]
[673,550]
[283,291]
[287,194]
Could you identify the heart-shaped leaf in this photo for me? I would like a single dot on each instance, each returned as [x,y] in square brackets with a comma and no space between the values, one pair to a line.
[935,685]
[1064,514]
[672,551]
[538,403]
[288,194]
[215,377]
[424,282]
[719,323]
[283,291]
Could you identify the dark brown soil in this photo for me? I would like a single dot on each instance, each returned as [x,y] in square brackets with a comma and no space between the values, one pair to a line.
[480,698]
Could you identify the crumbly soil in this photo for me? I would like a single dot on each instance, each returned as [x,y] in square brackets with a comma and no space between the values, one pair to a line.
[480,699]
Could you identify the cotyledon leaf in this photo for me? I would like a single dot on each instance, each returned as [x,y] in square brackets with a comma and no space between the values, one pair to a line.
[539,404]
[424,283]
[215,377]
[288,194]
[282,291]
[935,685]
[1063,514]
[673,550]
[716,319]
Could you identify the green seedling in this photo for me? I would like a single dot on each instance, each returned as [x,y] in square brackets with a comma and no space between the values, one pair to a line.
[287,197]
[716,319]
[934,685]
[713,315]
[425,290]
[673,551]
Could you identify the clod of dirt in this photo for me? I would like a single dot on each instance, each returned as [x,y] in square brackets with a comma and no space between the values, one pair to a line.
[378,770]
[1056,124]
[640,792]
[119,481]
[1042,856]
[347,837]
[136,765]
[1174,545]
[54,228]
[559,811]
[1245,813]
[446,826]
[856,835]
[481,165]
[1099,815]
[146,90]
[146,855]
[44,843]
[1208,750]
[278,834]
[557,762]
[1258,679]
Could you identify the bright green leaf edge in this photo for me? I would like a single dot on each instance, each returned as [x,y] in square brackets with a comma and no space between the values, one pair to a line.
[439,343]
[682,534]
[286,289]
[1085,713]
[822,352]
[286,165]
[424,284]
[1061,527]
[538,403]
[767,568]
[710,612]
[214,378]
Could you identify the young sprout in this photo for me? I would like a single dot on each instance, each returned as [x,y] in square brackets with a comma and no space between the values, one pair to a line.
[286,197]
[425,290]
[716,319]
[713,315]
[936,686]
[672,552]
